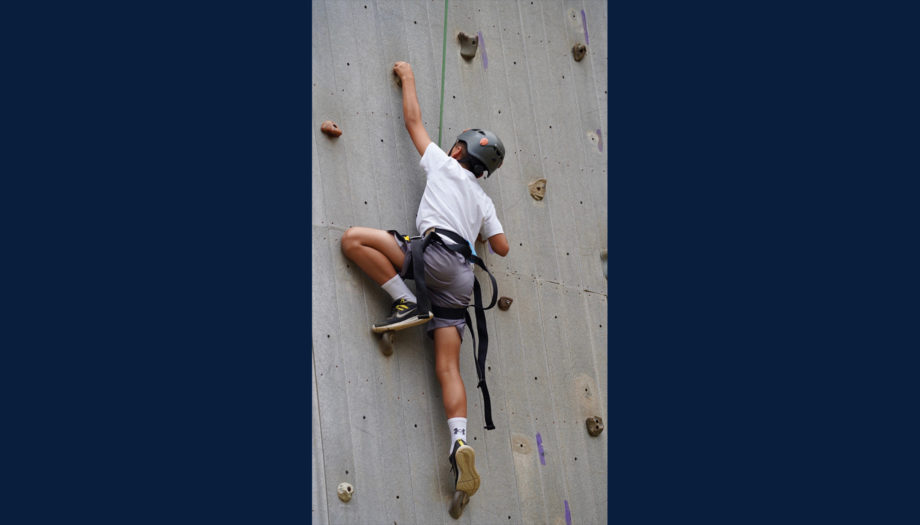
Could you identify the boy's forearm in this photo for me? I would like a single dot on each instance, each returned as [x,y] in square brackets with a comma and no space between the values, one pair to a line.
[412,113]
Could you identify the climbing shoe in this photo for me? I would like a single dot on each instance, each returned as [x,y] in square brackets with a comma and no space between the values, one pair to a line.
[403,315]
[466,479]
[463,465]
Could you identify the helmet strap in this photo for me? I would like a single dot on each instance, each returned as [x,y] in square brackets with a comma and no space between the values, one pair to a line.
[475,166]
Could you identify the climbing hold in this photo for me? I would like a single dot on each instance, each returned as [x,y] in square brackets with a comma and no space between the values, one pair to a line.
[345,491]
[604,262]
[537,189]
[389,342]
[504,303]
[578,51]
[458,503]
[595,425]
[468,45]
[331,128]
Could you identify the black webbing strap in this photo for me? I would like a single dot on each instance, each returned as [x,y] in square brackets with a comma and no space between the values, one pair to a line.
[424,303]
[418,270]
[463,247]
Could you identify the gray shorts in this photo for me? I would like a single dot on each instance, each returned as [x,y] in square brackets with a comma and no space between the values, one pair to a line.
[449,279]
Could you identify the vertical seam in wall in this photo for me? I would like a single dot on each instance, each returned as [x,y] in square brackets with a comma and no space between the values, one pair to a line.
[393,154]
[556,402]
[594,75]
[319,420]
[432,381]
[526,65]
[377,200]
[552,225]
[332,266]
[335,83]
[403,428]
[552,398]
[443,69]
[344,368]
[514,124]
[604,126]
[319,178]
[594,349]
[517,314]
[530,84]
[601,125]
[579,234]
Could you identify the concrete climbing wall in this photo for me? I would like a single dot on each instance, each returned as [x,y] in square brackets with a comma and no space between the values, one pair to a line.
[378,422]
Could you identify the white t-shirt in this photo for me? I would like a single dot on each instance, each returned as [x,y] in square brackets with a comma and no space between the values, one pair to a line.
[453,199]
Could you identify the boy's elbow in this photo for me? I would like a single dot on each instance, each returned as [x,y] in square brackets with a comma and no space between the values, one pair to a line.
[499,244]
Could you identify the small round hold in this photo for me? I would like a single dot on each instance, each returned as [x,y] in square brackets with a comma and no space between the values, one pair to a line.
[504,303]
[345,491]
[578,51]
[389,342]
[595,425]
[331,128]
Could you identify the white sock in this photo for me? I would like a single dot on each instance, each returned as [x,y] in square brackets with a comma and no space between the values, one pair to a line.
[457,430]
[397,289]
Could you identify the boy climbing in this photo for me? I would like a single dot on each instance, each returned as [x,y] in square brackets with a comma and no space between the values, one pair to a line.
[454,210]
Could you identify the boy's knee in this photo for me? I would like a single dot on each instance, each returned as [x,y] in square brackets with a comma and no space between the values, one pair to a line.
[349,240]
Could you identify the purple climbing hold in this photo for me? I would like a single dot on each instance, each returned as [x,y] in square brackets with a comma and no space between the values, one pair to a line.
[482,45]
[584,23]
[600,141]
[568,513]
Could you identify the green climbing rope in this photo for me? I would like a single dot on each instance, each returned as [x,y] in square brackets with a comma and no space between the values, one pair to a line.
[443,66]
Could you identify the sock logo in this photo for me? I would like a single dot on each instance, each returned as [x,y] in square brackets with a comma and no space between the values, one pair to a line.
[460,431]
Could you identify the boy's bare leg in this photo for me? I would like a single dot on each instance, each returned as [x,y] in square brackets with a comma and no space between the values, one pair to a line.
[374,251]
[447,367]
[379,255]
[453,393]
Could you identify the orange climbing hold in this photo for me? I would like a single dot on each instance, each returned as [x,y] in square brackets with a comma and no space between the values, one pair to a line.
[331,128]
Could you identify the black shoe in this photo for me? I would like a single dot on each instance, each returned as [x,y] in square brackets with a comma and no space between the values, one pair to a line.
[404,315]
[463,465]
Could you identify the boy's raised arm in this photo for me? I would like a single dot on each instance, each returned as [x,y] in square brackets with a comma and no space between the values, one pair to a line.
[412,113]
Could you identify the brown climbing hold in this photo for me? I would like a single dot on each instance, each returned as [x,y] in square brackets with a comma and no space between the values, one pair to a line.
[595,425]
[458,503]
[578,51]
[389,342]
[504,303]
[331,128]
[537,189]
[468,45]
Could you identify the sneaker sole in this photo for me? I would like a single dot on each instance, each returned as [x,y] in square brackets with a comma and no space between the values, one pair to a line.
[402,325]
[468,480]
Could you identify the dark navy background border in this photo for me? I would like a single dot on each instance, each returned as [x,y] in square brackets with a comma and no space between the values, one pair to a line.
[157,331]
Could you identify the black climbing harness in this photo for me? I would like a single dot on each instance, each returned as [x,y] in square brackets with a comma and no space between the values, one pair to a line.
[416,271]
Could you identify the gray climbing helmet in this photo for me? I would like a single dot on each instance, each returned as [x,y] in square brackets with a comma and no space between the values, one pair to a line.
[484,150]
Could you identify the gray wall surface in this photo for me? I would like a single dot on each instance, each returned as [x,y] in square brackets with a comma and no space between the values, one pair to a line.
[378,421]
